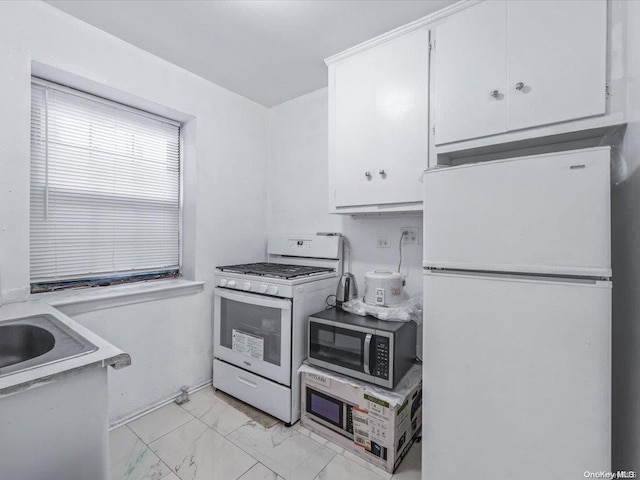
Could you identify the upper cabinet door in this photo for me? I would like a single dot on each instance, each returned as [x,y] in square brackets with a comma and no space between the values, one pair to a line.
[379,122]
[470,73]
[402,117]
[556,61]
[355,114]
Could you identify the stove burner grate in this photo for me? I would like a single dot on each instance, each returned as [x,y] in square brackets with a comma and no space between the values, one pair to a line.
[277,270]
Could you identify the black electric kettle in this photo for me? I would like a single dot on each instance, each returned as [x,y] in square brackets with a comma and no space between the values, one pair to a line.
[347,289]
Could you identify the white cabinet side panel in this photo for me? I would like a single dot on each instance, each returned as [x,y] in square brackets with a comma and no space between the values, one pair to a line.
[539,214]
[57,430]
[517,378]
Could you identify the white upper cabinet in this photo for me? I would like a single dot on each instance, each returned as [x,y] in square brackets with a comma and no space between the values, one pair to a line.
[471,74]
[378,124]
[556,61]
[504,66]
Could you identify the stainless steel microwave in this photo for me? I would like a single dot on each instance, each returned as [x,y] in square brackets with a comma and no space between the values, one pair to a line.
[376,351]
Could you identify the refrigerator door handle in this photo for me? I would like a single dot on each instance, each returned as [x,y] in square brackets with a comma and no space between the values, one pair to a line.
[519,277]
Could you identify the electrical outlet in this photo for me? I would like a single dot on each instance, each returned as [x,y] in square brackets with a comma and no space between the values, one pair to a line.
[383,241]
[410,235]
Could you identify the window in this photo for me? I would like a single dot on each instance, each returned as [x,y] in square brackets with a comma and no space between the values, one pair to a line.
[105,191]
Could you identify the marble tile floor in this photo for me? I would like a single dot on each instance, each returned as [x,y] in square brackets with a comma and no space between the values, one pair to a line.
[208,439]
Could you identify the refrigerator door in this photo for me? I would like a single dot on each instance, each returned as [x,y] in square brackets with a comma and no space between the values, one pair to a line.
[517,375]
[546,214]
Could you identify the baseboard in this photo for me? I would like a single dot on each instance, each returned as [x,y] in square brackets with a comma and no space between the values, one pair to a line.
[156,406]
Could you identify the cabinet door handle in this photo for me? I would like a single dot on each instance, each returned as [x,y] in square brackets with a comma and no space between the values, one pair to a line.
[519,86]
[382,172]
[367,174]
[495,93]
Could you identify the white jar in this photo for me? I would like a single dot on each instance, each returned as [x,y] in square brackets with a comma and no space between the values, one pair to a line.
[383,287]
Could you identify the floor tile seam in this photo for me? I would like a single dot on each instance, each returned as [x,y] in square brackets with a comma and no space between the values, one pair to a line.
[333,453]
[239,426]
[232,443]
[275,473]
[166,465]
[162,460]
[248,453]
[170,469]
[250,467]
[382,474]
[361,466]
[167,433]
[258,461]
[324,466]
[324,445]
[210,427]
[200,417]
[151,450]
[137,436]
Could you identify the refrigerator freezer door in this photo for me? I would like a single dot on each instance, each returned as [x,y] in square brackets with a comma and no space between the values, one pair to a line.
[546,214]
[517,376]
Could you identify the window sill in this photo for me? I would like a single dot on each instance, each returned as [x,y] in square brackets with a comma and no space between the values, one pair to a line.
[85,300]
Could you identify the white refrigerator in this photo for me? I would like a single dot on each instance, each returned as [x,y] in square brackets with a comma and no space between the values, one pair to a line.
[517,318]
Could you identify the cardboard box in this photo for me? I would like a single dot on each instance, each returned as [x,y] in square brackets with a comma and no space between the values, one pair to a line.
[383,423]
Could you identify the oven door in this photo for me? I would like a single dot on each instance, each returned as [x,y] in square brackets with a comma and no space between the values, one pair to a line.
[254,333]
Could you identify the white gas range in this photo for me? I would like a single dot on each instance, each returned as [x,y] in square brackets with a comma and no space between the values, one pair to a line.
[260,319]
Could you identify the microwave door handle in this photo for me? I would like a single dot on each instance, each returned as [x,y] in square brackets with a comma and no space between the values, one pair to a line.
[367,351]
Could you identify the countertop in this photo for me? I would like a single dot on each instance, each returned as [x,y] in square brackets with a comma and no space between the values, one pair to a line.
[106,354]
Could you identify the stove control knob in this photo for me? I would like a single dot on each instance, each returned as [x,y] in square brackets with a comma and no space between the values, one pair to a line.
[231,284]
[263,289]
[246,286]
[272,290]
[223,282]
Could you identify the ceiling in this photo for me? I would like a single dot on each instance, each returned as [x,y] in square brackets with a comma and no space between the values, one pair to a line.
[267,51]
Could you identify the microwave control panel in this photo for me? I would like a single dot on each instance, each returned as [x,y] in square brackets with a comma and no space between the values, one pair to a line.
[382,358]
[349,424]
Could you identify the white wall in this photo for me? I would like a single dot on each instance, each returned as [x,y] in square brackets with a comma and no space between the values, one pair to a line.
[298,192]
[626,271]
[225,166]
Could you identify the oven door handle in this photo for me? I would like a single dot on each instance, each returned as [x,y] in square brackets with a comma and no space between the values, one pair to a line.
[253,299]
[367,352]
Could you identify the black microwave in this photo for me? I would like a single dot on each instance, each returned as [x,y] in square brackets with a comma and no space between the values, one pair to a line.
[336,414]
[330,412]
[376,351]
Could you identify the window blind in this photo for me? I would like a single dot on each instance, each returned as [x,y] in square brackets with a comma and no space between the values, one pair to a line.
[105,189]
